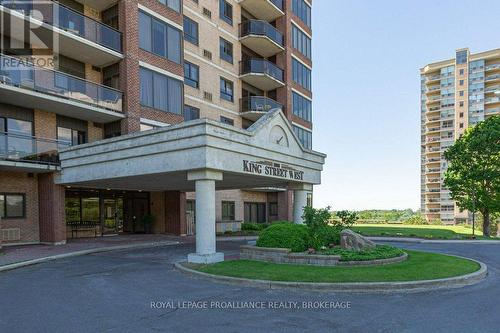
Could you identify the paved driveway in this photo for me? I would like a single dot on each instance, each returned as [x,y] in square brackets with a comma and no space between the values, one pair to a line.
[112,292]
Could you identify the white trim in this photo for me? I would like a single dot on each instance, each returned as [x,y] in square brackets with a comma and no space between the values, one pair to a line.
[303,63]
[300,126]
[194,55]
[153,122]
[300,28]
[199,100]
[301,94]
[160,70]
[191,11]
[159,17]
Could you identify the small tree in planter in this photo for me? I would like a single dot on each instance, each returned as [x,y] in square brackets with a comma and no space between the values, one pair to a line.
[148,220]
[321,234]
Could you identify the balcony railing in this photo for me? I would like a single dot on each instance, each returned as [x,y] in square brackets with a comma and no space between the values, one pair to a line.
[20,148]
[261,66]
[69,20]
[259,104]
[492,77]
[491,100]
[261,28]
[491,111]
[23,74]
[493,66]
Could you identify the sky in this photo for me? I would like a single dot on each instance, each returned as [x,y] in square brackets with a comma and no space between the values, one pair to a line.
[366,86]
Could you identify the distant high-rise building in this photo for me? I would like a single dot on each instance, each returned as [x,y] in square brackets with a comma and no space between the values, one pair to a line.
[455,94]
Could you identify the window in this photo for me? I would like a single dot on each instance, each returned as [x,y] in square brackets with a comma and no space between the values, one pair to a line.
[461,72]
[16,138]
[462,57]
[226,90]
[302,107]
[255,212]
[461,125]
[228,211]
[160,91]
[159,38]
[273,209]
[191,75]
[12,205]
[191,113]
[461,103]
[226,50]
[461,82]
[226,120]
[302,10]
[172,4]
[301,74]
[190,30]
[305,137]
[461,114]
[71,137]
[301,42]
[226,11]
[461,92]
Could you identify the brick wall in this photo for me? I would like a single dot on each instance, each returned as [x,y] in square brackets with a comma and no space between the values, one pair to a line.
[20,182]
[51,210]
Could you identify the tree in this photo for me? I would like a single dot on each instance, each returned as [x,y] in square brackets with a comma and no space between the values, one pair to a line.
[473,175]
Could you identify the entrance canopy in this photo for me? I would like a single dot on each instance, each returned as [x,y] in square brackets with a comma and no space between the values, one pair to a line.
[267,154]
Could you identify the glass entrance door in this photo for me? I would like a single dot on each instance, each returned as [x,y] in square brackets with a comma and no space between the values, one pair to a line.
[112,215]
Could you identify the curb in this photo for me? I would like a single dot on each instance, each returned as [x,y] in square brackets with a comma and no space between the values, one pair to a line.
[375,262]
[431,241]
[236,238]
[354,287]
[84,252]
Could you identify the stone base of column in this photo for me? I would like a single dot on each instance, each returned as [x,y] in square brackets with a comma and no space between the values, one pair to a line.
[212,258]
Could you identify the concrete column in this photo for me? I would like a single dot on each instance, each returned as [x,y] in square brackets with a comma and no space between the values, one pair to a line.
[205,217]
[299,202]
[300,192]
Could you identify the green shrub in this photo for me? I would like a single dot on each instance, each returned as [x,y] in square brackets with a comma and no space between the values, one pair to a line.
[379,252]
[416,220]
[285,235]
[324,236]
[254,226]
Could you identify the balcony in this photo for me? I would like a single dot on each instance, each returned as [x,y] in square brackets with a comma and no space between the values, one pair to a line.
[29,153]
[98,4]
[492,111]
[262,74]
[77,36]
[267,10]
[26,85]
[493,67]
[254,107]
[493,77]
[261,37]
[492,100]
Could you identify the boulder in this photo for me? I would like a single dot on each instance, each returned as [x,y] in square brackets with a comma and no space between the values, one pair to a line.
[350,240]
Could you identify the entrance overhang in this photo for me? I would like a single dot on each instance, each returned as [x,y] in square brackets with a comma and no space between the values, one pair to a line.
[267,154]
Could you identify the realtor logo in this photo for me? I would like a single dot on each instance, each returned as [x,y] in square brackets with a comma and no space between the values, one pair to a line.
[28,27]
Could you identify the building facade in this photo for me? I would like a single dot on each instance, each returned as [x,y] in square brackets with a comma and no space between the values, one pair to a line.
[455,94]
[93,70]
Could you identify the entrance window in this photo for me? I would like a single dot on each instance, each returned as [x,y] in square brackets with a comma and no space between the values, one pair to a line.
[90,209]
[228,211]
[273,209]
[255,212]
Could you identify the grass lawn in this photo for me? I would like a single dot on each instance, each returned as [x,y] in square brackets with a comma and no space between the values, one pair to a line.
[419,266]
[422,231]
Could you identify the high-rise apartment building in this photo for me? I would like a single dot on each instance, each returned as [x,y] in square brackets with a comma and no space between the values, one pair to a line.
[89,70]
[455,94]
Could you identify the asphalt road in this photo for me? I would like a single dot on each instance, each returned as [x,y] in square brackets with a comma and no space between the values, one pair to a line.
[113,292]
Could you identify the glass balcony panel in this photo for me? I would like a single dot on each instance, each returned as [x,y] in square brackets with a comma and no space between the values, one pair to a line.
[261,66]
[258,104]
[262,28]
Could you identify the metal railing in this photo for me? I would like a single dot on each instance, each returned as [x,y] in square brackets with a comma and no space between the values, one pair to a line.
[23,74]
[278,3]
[259,104]
[16,147]
[69,20]
[261,66]
[261,28]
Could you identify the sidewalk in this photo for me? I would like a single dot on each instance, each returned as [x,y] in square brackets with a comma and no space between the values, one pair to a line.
[423,240]
[38,253]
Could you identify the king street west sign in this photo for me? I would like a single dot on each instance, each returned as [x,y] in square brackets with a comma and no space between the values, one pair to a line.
[272,169]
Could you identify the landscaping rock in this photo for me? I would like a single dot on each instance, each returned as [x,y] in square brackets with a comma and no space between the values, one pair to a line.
[352,241]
